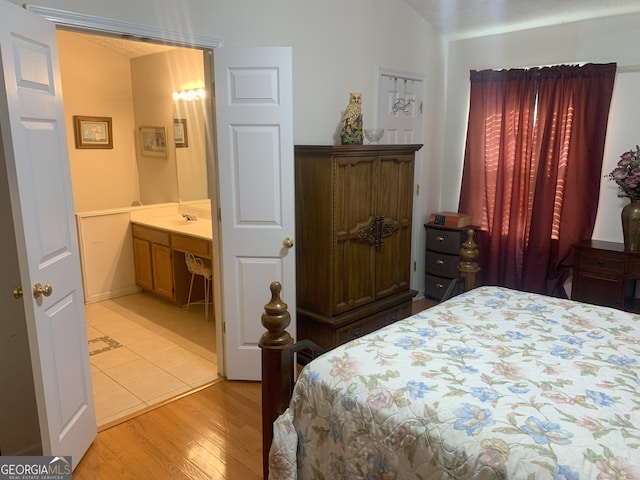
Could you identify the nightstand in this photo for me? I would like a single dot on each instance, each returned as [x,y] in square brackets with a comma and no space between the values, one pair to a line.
[441,261]
[604,274]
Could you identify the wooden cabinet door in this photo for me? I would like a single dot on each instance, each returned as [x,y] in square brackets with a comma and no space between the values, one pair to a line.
[354,256]
[394,201]
[143,263]
[162,270]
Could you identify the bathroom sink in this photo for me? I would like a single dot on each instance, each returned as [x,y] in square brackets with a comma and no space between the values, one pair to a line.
[177,222]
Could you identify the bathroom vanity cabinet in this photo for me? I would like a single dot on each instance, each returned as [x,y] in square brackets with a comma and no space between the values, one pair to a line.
[160,267]
[153,260]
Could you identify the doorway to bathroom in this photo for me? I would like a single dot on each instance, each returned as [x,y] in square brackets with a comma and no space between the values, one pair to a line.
[143,349]
[38,186]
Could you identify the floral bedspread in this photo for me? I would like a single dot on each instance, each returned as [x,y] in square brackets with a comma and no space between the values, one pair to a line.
[492,384]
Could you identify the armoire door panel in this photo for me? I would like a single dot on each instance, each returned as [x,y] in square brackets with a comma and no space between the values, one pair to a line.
[354,265]
[395,204]
[354,193]
[354,274]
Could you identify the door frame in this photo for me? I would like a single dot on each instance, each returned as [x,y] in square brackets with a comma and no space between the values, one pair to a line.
[134,31]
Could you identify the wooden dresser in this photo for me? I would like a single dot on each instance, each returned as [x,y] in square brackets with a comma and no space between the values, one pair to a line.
[441,260]
[604,274]
[353,239]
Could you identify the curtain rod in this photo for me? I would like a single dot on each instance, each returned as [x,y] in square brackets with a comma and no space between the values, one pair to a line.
[619,69]
[628,69]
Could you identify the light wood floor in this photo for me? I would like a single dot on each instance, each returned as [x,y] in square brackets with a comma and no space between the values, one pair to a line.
[214,433]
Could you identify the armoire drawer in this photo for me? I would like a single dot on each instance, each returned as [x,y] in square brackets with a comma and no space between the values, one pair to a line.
[373,323]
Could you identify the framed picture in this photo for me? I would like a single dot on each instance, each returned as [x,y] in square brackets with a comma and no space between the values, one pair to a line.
[153,142]
[92,132]
[180,132]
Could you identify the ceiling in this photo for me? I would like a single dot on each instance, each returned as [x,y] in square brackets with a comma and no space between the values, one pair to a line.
[125,47]
[469,18]
[455,19]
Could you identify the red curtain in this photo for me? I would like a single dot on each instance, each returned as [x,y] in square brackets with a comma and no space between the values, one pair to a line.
[532,169]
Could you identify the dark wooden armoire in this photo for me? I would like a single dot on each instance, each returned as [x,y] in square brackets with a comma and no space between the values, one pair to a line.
[353,239]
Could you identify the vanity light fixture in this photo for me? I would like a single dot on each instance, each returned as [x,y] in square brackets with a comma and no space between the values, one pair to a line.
[189,95]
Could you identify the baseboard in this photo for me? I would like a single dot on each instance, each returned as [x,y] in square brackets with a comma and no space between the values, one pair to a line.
[112,294]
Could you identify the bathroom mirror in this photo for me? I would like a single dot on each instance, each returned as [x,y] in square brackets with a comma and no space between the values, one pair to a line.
[189,140]
[182,176]
[132,83]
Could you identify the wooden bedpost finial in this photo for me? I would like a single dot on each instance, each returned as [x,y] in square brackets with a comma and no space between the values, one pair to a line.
[468,267]
[469,251]
[275,319]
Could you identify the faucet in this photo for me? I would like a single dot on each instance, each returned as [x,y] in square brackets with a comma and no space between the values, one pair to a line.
[189,217]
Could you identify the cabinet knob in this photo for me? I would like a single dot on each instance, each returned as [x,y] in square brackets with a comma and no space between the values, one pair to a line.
[439,262]
[600,262]
[440,239]
[439,285]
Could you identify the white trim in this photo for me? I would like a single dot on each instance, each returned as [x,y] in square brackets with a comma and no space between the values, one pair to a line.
[120,27]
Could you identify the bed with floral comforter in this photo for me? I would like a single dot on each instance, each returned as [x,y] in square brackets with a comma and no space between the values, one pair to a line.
[492,384]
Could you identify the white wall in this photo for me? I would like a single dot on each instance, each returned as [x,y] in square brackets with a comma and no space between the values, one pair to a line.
[622,134]
[338,47]
[97,83]
[609,39]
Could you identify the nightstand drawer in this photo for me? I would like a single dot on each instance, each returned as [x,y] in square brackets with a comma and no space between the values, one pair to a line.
[634,268]
[442,265]
[595,261]
[435,287]
[444,241]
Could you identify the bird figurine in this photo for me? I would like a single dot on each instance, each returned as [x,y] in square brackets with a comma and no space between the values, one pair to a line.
[351,122]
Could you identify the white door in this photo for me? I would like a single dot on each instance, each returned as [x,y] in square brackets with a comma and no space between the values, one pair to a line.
[400,113]
[37,167]
[400,106]
[255,161]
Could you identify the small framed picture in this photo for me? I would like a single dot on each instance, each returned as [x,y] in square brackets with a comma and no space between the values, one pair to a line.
[153,142]
[92,132]
[180,132]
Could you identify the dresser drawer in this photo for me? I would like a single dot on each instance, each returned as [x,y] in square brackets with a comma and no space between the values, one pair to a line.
[442,265]
[444,241]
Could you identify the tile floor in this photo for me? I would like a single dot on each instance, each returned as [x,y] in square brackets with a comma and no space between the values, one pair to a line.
[144,351]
